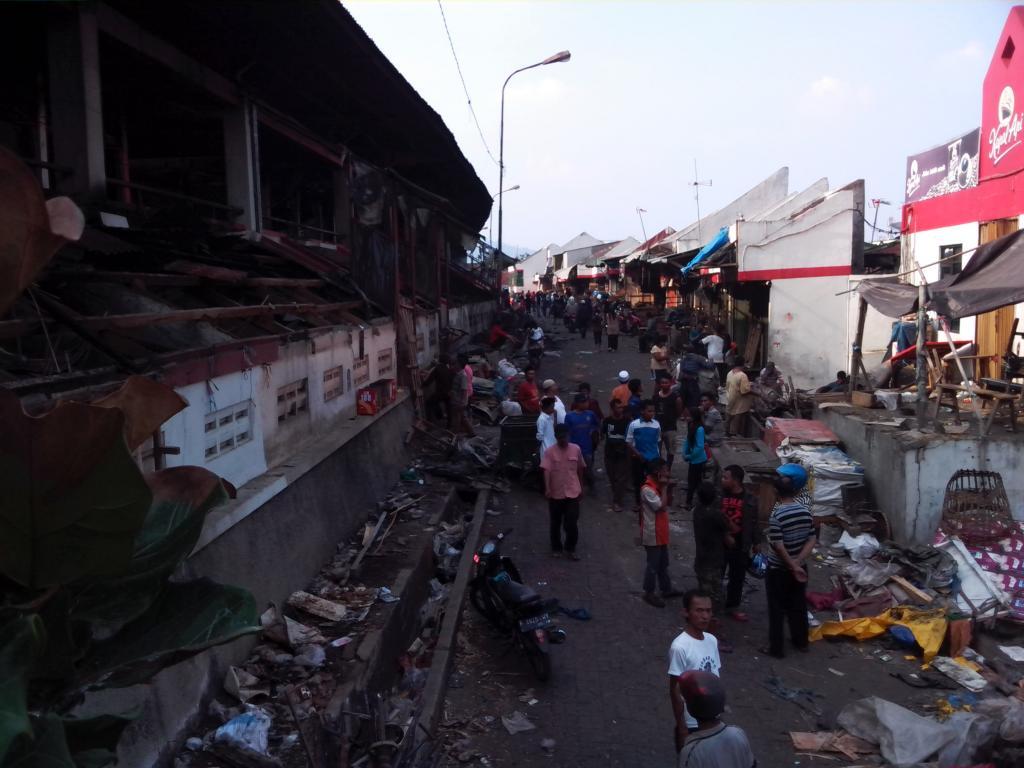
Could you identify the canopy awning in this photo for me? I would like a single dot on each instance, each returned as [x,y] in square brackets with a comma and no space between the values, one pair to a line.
[993,278]
[715,243]
[564,274]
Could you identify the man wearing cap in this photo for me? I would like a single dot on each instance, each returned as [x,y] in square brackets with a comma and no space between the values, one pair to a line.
[550,389]
[693,649]
[791,540]
[621,392]
[563,467]
[546,426]
[713,744]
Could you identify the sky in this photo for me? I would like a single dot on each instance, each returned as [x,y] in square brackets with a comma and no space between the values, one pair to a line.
[837,90]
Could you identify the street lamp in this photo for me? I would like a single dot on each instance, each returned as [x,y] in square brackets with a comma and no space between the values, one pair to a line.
[490,219]
[555,59]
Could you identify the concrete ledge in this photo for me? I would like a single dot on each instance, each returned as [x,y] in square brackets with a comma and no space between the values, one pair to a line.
[437,679]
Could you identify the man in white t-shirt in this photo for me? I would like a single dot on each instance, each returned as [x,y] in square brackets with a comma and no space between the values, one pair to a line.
[716,347]
[546,425]
[550,389]
[693,649]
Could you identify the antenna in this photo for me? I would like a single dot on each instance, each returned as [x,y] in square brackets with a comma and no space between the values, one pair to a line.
[697,184]
[640,212]
[877,202]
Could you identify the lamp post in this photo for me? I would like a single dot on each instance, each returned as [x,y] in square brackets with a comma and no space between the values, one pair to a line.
[555,59]
[490,219]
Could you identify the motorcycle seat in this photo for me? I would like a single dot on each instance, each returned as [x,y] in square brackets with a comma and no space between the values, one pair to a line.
[516,593]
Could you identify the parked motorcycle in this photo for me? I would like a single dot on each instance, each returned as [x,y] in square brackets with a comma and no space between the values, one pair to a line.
[498,593]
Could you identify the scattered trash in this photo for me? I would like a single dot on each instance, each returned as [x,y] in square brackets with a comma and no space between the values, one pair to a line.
[410,475]
[341,641]
[243,686]
[194,744]
[517,722]
[299,634]
[860,547]
[968,678]
[832,741]
[317,606]
[493,512]
[247,733]
[802,697]
[548,745]
[928,627]
[1015,652]
[836,672]
[903,737]
[580,614]
[385,596]
[310,656]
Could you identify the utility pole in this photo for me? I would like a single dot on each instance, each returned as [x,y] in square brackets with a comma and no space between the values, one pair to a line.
[697,184]
[877,202]
[640,212]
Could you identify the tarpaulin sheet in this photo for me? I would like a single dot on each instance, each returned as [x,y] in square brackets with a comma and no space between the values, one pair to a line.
[716,242]
[928,627]
[992,278]
[798,431]
[891,298]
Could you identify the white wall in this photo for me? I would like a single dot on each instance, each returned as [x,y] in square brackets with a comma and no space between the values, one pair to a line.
[808,329]
[186,430]
[427,337]
[925,248]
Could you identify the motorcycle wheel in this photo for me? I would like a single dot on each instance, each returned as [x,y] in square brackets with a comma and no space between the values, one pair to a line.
[540,662]
[483,605]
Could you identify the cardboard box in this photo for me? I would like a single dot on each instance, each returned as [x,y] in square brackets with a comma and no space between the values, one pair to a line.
[864,399]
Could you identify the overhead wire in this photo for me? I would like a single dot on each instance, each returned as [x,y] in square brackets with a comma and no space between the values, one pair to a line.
[465,89]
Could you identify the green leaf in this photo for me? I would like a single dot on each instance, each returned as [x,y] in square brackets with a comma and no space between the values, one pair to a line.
[74,499]
[46,749]
[185,620]
[182,497]
[21,641]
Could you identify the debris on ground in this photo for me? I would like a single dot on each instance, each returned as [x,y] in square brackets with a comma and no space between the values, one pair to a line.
[517,722]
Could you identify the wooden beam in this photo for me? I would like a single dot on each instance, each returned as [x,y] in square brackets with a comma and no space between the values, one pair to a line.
[182,281]
[13,328]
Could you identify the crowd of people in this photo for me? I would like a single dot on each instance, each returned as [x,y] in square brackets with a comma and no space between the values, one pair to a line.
[638,437]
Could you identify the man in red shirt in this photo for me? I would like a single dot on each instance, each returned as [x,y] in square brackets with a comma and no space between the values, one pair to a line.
[563,467]
[528,395]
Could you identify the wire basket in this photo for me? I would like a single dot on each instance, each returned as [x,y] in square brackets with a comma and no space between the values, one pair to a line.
[975,507]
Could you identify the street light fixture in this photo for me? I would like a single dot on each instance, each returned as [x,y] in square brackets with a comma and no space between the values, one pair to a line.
[490,219]
[554,59]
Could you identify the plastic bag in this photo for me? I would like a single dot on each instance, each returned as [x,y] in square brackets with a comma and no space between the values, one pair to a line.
[860,547]
[511,408]
[928,628]
[1010,715]
[506,369]
[972,733]
[871,574]
[250,731]
[903,737]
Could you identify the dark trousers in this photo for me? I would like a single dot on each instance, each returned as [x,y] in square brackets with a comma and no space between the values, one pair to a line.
[565,514]
[786,603]
[639,468]
[583,326]
[694,477]
[736,561]
[613,341]
[616,467]
[597,337]
[657,569]
[709,578]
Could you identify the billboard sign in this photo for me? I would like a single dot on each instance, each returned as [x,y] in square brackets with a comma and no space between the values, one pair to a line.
[942,170]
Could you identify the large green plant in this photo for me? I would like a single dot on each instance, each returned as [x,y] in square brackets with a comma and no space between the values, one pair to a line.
[87,542]
[87,546]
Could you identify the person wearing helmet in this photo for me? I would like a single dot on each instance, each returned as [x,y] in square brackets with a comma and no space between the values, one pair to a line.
[791,540]
[713,744]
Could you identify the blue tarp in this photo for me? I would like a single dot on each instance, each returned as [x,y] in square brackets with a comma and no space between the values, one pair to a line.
[716,242]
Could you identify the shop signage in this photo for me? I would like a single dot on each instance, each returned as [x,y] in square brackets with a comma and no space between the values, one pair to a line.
[1006,135]
[949,167]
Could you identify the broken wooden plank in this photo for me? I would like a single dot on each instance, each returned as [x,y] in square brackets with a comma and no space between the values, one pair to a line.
[13,328]
[317,606]
[910,589]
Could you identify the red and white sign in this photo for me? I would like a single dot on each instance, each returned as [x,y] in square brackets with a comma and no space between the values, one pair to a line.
[1002,105]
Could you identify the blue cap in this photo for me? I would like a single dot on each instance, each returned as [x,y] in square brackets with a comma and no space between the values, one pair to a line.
[797,475]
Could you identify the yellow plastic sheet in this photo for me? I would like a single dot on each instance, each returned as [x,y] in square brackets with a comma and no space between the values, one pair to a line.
[928,627]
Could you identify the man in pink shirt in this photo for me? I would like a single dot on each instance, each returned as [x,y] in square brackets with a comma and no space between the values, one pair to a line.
[563,467]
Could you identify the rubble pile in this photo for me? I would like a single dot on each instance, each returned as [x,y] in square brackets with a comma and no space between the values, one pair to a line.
[293,701]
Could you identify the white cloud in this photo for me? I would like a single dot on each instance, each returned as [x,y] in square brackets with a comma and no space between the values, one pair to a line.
[536,91]
[836,96]
[972,50]
[825,84]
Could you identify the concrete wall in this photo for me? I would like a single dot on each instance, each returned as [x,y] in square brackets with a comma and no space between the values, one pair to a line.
[472,318]
[907,472]
[808,329]
[320,499]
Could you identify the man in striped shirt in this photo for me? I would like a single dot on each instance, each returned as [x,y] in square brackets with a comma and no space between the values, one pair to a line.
[791,540]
